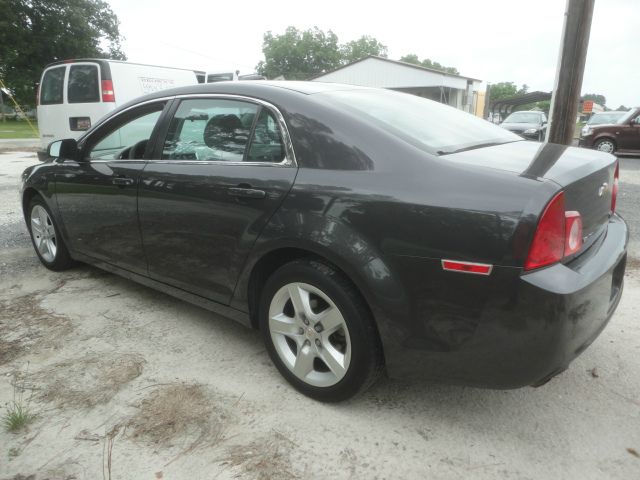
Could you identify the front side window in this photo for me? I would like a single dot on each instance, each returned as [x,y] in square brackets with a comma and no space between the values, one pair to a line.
[128,140]
[84,84]
[52,86]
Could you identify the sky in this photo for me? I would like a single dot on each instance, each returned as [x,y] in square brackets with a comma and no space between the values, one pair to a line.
[492,40]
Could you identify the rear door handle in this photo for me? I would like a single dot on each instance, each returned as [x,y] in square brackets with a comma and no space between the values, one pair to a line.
[122,181]
[247,192]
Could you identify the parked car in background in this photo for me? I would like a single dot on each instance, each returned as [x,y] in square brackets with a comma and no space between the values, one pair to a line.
[602,118]
[74,94]
[232,76]
[531,125]
[359,229]
[620,137]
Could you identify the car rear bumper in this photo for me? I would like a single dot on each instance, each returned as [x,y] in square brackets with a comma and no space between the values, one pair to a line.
[519,328]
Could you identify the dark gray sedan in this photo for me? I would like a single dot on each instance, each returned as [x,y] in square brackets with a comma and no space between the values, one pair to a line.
[361,230]
[530,125]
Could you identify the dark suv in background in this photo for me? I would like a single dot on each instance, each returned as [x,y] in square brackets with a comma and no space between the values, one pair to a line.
[621,137]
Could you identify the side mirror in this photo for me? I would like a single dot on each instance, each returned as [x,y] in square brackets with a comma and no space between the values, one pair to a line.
[67,148]
[544,122]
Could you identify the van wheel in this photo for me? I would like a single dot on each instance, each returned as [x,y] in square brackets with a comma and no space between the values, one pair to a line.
[606,145]
[46,237]
[319,332]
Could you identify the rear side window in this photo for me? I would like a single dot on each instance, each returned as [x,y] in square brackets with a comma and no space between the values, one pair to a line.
[210,129]
[266,144]
[83,84]
[52,86]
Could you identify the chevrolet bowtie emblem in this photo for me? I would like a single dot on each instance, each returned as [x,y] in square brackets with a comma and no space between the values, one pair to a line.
[602,189]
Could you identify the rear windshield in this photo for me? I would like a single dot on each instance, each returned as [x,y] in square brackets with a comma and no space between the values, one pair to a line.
[219,77]
[431,126]
[52,86]
[83,84]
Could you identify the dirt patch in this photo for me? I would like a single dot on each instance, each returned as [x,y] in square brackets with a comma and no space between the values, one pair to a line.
[185,414]
[263,459]
[633,263]
[25,325]
[87,381]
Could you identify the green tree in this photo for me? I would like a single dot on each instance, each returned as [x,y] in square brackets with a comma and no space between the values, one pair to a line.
[413,58]
[34,33]
[298,54]
[596,97]
[363,47]
[505,89]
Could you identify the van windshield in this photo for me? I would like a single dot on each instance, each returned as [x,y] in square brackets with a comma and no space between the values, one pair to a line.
[431,126]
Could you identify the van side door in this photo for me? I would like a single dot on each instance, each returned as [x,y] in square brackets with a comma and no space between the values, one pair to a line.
[51,105]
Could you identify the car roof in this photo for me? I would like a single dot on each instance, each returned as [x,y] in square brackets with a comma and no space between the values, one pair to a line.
[255,86]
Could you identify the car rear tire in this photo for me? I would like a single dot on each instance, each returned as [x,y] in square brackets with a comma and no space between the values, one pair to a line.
[605,145]
[46,237]
[319,331]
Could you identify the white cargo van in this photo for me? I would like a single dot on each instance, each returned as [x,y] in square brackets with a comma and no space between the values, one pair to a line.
[75,94]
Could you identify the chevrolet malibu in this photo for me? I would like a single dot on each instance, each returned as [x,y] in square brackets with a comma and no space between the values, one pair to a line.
[360,230]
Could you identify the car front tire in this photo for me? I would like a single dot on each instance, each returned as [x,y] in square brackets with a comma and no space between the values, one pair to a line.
[46,237]
[319,331]
[605,145]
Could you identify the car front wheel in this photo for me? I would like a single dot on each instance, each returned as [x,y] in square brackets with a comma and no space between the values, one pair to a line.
[606,145]
[319,332]
[46,238]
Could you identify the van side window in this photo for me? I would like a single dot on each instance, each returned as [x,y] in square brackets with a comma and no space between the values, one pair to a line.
[52,86]
[210,129]
[83,84]
[127,140]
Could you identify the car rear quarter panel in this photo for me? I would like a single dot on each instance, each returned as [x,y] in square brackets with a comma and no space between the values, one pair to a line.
[387,213]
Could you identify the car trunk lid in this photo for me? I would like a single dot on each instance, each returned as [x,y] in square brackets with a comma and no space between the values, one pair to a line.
[586,176]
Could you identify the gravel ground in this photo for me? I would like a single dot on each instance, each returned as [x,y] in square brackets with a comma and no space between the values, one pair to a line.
[128,383]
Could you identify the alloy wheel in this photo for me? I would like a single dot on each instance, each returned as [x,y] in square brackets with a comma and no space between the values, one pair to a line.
[44,233]
[309,334]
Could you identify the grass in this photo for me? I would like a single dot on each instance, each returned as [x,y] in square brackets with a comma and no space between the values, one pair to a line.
[17,129]
[17,415]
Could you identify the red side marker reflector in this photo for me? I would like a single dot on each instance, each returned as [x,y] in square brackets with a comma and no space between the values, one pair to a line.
[466,267]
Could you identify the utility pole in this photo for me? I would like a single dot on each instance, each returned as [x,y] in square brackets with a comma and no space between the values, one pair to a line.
[571,61]
[487,100]
[2,107]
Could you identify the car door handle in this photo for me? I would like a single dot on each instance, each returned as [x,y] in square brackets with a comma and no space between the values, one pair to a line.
[247,192]
[122,181]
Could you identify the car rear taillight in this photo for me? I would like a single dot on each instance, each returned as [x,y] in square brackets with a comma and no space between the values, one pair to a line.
[108,95]
[614,189]
[573,229]
[558,235]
